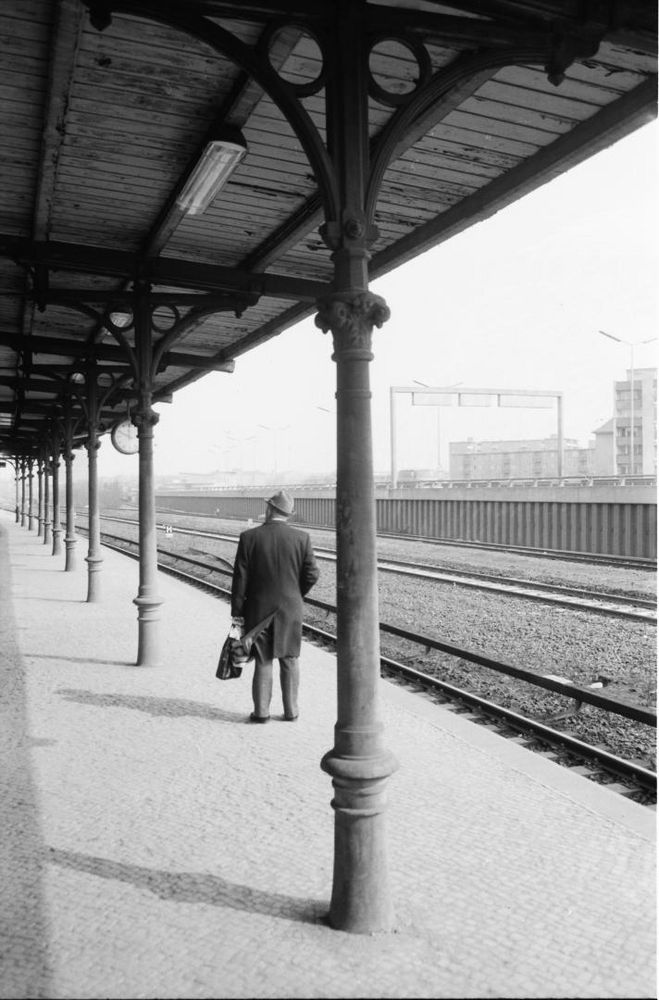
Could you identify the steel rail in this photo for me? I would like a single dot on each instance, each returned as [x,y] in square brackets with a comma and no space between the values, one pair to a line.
[576,599]
[610,762]
[577,693]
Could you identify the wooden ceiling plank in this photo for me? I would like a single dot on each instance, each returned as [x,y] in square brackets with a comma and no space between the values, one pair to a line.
[480,124]
[598,132]
[582,82]
[544,101]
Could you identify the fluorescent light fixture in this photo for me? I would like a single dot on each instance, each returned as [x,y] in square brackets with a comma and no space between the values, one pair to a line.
[218,161]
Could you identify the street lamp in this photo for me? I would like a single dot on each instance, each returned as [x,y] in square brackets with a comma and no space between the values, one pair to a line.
[631,345]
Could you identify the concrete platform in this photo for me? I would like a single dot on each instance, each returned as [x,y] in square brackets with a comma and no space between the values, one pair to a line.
[156,844]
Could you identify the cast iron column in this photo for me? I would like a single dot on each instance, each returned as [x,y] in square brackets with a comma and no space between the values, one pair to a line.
[30,495]
[57,527]
[93,557]
[46,503]
[145,418]
[70,537]
[39,497]
[358,763]
[18,501]
[23,511]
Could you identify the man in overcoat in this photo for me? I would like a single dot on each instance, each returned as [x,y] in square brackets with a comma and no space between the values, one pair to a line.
[273,570]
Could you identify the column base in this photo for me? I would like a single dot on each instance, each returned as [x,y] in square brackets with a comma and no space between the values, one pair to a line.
[57,541]
[70,546]
[361,903]
[93,578]
[148,618]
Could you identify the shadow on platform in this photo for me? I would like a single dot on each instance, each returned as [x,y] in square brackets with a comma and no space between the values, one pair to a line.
[194,887]
[171,707]
[81,659]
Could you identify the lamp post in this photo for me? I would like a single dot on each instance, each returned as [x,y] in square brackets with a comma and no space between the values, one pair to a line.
[631,345]
[275,432]
[439,440]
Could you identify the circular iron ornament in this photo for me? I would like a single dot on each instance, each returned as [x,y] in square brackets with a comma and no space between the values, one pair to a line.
[124,437]
[121,319]
[424,67]
[269,39]
[164,328]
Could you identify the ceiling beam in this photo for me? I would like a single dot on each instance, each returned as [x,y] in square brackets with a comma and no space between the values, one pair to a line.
[108,352]
[160,271]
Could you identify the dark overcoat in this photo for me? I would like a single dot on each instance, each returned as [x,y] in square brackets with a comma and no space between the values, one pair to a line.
[274,568]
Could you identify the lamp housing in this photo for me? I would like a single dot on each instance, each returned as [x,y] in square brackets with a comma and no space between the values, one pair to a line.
[219,159]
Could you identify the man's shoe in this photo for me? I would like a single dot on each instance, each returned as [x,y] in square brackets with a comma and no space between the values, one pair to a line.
[259,718]
[290,718]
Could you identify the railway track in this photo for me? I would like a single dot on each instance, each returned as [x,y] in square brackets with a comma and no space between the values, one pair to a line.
[596,762]
[579,599]
[565,555]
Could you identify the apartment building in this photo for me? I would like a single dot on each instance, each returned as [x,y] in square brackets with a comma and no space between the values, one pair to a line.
[523,459]
[635,423]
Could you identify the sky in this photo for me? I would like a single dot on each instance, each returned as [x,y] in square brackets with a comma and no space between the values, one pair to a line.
[513,302]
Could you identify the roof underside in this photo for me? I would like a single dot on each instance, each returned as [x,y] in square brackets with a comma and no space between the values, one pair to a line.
[101,128]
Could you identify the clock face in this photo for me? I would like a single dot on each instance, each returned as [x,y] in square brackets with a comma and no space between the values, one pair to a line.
[124,437]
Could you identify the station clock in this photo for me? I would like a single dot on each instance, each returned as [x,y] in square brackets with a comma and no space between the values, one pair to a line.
[124,437]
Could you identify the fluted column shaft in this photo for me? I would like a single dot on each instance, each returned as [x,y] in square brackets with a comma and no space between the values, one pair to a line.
[70,537]
[93,557]
[47,536]
[39,498]
[23,507]
[30,496]
[18,499]
[57,527]
[145,419]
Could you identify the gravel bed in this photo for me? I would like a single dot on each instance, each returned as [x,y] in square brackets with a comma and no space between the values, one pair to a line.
[610,579]
[581,647]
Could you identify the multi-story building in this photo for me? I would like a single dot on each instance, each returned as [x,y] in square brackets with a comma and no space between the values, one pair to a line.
[531,459]
[635,423]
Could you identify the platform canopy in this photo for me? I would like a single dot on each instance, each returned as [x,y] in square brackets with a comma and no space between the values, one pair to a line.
[117,115]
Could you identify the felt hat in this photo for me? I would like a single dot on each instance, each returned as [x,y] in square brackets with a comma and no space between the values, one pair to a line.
[283,502]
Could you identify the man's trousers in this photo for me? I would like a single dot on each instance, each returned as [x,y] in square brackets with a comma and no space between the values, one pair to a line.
[289,677]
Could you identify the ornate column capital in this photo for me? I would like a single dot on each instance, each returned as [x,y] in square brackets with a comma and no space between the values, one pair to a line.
[145,418]
[351,317]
